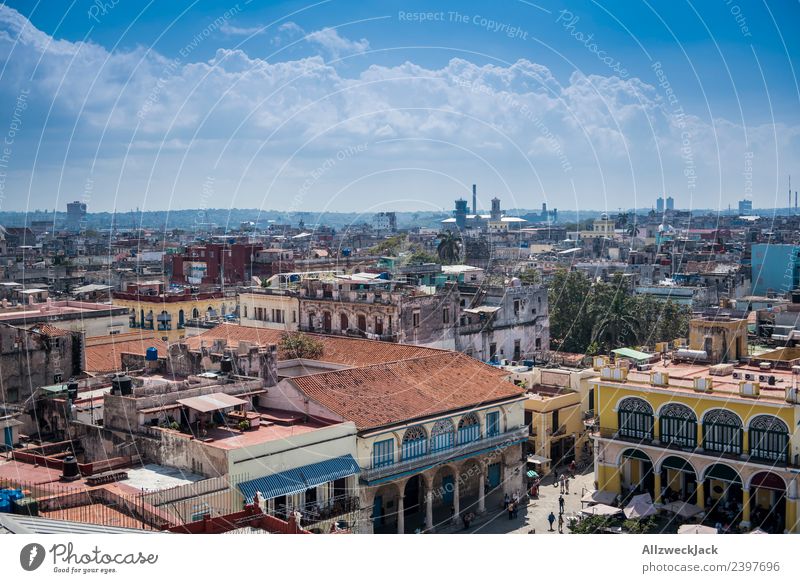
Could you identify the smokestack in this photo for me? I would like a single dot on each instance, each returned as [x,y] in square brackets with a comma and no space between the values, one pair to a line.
[474,199]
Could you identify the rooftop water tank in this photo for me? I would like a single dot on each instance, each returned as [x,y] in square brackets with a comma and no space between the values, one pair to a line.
[152,354]
[71,472]
[121,385]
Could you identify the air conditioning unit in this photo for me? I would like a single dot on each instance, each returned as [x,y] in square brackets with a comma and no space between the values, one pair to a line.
[762,378]
[749,377]
[737,375]
[749,389]
[703,384]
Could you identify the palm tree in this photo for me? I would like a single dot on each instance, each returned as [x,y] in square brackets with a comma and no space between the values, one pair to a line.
[449,248]
[615,318]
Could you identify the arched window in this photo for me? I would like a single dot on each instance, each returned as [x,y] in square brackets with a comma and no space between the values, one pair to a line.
[469,428]
[769,439]
[635,418]
[415,442]
[181,319]
[443,435]
[245,311]
[722,432]
[195,313]
[678,425]
[344,323]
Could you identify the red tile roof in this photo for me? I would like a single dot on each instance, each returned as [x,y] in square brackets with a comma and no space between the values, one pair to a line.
[336,349]
[104,354]
[50,330]
[396,392]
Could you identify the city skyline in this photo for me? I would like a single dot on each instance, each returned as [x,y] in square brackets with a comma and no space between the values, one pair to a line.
[398,107]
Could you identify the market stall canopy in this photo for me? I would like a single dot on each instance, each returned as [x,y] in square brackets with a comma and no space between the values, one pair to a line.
[683,509]
[212,402]
[632,354]
[696,529]
[640,506]
[599,497]
[601,510]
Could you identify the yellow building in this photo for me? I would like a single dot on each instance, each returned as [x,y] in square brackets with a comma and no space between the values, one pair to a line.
[278,309]
[559,400]
[721,437]
[601,228]
[170,315]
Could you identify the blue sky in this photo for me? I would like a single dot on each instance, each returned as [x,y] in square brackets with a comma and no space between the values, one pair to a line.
[398,105]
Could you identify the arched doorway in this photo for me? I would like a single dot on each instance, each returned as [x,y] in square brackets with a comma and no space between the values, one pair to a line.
[362,322]
[722,487]
[444,491]
[326,322]
[636,472]
[469,489]
[385,505]
[678,480]
[344,322]
[768,502]
[414,503]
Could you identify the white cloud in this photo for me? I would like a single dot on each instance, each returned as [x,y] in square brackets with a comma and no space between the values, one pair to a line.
[232,30]
[238,117]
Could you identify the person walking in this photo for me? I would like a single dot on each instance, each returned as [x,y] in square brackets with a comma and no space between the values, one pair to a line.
[560,524]
[563,479]
[572,468]
[561,505]
[555,480]
[511,510]
[551,519]
[566,485]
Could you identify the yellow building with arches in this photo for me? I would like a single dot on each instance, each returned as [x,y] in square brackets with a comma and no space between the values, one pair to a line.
[722,438]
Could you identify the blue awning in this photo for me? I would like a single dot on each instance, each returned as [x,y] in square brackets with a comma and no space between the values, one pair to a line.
[287,482]
[329,470]
[299,479]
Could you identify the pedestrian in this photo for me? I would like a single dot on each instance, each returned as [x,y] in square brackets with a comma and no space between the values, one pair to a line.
[510,510]
[551,519]
[566,485]
[572,468]
[563,479]
[467,519]
[560,524]
[555,480]
[506,500]
[561,505]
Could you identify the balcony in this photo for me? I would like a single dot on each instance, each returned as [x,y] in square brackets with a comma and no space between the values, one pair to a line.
[750,458]
[460,450]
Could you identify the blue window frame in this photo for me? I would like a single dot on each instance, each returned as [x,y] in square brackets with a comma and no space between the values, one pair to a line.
[492,423]
[469,428]
[415,442]
[383,453]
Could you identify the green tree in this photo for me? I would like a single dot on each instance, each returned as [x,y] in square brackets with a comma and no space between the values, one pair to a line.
[422,257]
[299,345]
[449,248]
[570,318]
[615,322]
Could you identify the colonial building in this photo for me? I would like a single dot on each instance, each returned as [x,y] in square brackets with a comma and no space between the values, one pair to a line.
[379,309]
[721,437]
[437,436]
[278,309]
[169,314]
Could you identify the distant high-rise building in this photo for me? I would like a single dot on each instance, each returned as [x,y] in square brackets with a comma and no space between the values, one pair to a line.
[76,215]
[474,199]
[460,213]
[385,221]
[660,204]
[745,208]
[495,214]
[670,203]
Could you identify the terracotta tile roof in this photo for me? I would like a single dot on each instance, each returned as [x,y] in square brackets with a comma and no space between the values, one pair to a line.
[49,330]
[104,354]
[336,349]
[397,392]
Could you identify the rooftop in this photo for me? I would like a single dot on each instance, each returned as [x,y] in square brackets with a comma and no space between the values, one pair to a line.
[104,353]
[336,349]
[396,392]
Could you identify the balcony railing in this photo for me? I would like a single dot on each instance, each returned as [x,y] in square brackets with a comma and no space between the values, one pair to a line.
[509,437]
[752,457]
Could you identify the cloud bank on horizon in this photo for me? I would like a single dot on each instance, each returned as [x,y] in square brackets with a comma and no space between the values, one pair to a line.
[335,130]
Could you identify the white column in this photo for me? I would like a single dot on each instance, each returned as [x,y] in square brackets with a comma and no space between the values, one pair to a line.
[481,490]
[401,519]
[429,510]
[456,496]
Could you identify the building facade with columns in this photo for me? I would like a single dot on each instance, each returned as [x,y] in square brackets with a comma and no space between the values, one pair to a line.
[722,437]
[437,436]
